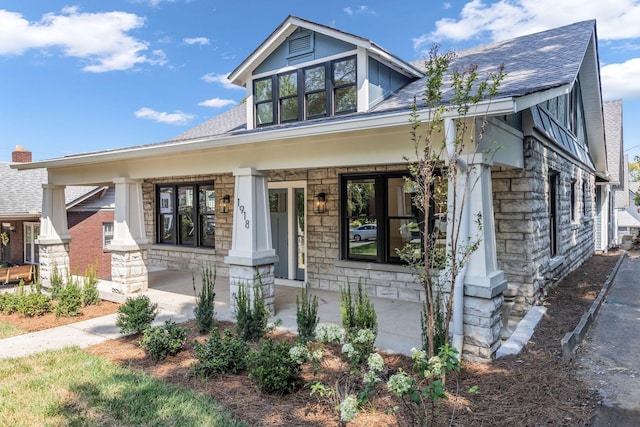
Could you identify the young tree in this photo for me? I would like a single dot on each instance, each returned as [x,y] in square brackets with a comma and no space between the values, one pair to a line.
[441,183]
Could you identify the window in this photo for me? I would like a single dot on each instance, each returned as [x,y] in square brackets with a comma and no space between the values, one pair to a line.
[31,248]
[553,212]
[378,217]
[107,234]
[574,202]
[186,214]
[585,193]
[321,90]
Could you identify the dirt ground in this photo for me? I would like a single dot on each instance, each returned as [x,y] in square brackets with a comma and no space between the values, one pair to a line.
[537,387]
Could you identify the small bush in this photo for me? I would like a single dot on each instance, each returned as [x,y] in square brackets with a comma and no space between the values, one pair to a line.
[252,315]
[69,303]
[273,369]
[204,310]
[8,303]
[306,315]
[34,303]
[136,314]
[221,354]
[162,341]
[358,314]
[90,294]
[57,283]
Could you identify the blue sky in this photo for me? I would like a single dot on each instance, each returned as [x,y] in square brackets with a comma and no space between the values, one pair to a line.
[88,75]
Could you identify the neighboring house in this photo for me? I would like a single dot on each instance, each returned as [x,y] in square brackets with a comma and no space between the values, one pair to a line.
[629,218]
[269,191]
[618,172]
[90,214]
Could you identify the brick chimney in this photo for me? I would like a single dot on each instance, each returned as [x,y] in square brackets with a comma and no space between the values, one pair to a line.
[20,155]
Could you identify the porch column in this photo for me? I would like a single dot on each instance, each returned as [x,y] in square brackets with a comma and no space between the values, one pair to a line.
[128,247]
[484,284]
[251,257]
[54,238]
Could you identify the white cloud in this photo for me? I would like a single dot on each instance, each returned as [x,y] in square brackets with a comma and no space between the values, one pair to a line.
[217,103]
[359,10]
[100,39]
[621,80]
[221,79]
[616,19]
[196,40]
[178,118]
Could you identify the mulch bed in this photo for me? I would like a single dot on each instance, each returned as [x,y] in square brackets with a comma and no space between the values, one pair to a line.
[536,387]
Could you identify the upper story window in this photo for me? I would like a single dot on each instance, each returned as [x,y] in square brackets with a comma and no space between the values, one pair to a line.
[186,214]
[107,234]
[321,90]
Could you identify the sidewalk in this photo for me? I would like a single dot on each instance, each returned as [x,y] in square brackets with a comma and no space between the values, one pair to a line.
[608,358]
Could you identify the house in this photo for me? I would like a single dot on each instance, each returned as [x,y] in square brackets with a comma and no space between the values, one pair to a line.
[89,211]
[267,192]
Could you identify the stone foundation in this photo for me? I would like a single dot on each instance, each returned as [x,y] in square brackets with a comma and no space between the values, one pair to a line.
[53,257]
[129,272]
[252,276]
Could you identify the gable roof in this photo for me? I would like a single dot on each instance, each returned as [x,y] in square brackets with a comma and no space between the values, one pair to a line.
[613,134]
[241,74]
[22,191]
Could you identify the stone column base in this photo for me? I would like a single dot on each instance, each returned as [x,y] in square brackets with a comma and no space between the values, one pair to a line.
[129,271]
[53,256]
[252,276]
[482,327]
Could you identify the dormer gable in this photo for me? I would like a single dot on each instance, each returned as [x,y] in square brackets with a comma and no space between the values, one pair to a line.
[304,71]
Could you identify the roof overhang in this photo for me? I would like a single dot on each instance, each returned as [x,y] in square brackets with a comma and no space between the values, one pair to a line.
[495,107]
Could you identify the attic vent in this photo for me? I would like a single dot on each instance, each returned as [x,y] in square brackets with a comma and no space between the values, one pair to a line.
[300,44]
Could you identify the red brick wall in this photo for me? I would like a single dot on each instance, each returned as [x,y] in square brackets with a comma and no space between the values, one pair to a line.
[85,248]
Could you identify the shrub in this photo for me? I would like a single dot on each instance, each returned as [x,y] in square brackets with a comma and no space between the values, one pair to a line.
[34,303]
[136,314]
[221,354]
[8,303]
[204,310]
[359,314]
[90,294]
[57,283]
[273,369]
[162,341]
[69,301]
[306,315]
[252,315]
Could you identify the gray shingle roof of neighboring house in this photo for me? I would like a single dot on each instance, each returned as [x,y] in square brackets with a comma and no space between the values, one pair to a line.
[532,63]
[21,191]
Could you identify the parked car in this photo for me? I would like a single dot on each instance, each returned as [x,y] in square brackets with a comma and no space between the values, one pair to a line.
[364,232]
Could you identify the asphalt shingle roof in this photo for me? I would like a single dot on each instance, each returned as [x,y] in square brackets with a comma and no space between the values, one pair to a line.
[21,191]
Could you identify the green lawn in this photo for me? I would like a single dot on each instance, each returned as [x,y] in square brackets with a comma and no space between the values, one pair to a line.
[70,387]
[8,330]
[364,249]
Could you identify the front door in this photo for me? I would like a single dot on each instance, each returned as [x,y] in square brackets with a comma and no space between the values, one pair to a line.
[287,207]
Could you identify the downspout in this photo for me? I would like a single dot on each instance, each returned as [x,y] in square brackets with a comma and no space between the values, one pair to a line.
[458,287]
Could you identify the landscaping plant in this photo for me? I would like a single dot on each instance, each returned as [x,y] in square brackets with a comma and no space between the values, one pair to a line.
[164,340]
[252,314]
[69,300]
[272,368]
[222,353]
[360,323]
[90,294]
[204,310]
[136,314]
[306,314]
[34,302]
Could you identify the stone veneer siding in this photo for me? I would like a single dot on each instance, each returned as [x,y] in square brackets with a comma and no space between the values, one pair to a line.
[522,226]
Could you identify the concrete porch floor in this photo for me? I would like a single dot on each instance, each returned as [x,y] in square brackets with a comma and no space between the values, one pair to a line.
[398,321]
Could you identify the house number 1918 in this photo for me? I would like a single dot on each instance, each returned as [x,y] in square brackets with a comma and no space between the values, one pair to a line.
[244,214]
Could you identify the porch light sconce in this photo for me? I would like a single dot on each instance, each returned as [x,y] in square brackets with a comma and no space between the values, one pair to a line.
[319,203]
[224,204]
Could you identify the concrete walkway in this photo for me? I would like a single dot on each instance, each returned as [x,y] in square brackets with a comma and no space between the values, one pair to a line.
[609,358]
[398,321]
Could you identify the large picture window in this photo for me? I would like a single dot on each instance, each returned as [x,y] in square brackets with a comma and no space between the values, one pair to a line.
[186,214]
[378,217]
[320,90]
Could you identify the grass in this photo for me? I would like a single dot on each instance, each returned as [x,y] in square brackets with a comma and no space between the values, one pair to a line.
[364,249]
[70,387]
[8,330]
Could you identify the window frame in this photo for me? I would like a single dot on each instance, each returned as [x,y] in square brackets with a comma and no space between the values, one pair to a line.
[172,207]
[554,245]
[31,229]
[381,214]
[329,90]
[107,236]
